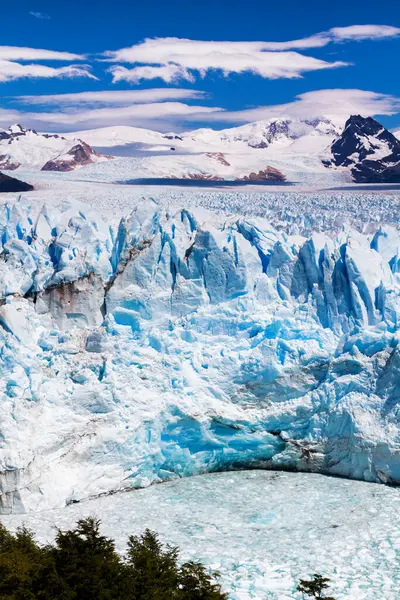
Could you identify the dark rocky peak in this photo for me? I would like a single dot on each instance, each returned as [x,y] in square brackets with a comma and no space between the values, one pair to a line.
[361,138]
[4,135]
[367,126]
[17,130]
[79,155]
[372,152]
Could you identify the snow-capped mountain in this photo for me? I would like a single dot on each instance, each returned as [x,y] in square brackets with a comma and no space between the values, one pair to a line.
[119,135]
[300,135]
[27,148]
[287,146]
[363,138]
[178,342]
[369,150]
[277,134]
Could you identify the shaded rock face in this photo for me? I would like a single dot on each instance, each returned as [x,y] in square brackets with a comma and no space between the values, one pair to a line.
[372,152]
[268,174]
[8,163]
[198,177]
[373,171]
[81,154]
[259,137]
[10,184]
[361,138]
[219,157]
[172,136]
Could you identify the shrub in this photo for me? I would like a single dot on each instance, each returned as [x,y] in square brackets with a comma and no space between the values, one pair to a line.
[315,588]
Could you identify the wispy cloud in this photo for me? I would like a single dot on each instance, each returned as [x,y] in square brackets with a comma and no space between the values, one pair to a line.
[10,71]
[112,97]
[173,59]
[23,53]
[126,114]
[39,15]
[363,32]
[337,104]
[168,73]
[153,115]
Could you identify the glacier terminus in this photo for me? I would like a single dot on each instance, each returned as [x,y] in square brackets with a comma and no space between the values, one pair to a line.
[178,342]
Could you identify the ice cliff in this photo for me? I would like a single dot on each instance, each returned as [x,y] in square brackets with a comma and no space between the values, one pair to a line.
[176,343]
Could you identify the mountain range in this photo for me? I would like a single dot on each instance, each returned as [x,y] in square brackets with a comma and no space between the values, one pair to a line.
[363,149]
[276,149]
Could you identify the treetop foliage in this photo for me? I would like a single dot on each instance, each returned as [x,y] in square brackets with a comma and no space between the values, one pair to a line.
[82,564]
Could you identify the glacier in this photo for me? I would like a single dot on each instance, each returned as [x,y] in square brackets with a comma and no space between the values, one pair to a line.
[179,341]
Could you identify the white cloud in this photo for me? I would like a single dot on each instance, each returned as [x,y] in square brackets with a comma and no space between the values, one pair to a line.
[39,15]
[363,32]
[173,59]
[7,117]
[112,97]
[22,53]
[156,115]
[169,73]
[337,104]
[125,114]
[12,70]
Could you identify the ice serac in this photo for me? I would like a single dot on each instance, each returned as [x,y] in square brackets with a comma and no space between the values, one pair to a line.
[178,342]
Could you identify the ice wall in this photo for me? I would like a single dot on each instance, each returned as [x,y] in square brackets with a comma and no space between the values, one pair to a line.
[176,343]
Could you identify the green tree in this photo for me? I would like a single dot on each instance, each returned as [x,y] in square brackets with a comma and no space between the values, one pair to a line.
[87,565]
[156,575]
[315,588]
[196,584]
[23,564]
[153,569]
[82,564]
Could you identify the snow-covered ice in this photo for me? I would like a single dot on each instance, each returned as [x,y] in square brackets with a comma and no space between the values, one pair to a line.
[262,530]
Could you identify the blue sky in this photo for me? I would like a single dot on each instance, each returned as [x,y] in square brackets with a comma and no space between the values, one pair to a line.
[92,28]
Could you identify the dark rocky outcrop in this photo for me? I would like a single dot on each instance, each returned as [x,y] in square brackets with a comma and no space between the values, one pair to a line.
[8,163]
[10,184]
[198,177]
[81,154]
[267,174]
[219,157]
[362,138]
